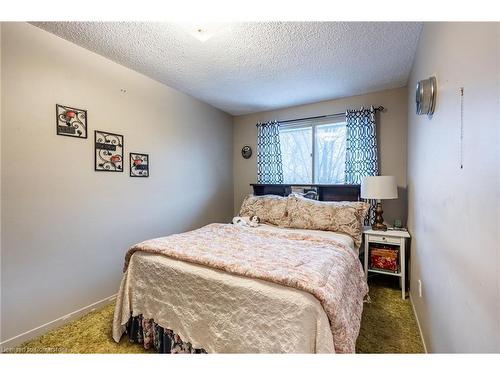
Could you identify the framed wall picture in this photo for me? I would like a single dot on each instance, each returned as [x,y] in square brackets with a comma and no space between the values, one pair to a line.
[139,165]
[108,151]
[71,122]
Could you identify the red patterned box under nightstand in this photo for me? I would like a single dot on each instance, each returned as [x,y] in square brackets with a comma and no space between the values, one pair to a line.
[384,258]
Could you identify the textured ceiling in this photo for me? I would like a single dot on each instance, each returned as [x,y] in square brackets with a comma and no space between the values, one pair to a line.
[252,67]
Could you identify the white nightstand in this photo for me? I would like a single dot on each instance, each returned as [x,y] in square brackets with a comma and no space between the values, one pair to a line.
[389,237]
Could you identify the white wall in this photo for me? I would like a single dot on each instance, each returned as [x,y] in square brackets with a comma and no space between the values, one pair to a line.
[65,228]
[454,213]
[391,128]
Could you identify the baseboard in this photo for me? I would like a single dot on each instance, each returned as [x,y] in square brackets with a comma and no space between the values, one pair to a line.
[418,324]
[44,328]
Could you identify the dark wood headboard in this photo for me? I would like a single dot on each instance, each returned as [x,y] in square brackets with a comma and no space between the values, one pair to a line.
[323,192]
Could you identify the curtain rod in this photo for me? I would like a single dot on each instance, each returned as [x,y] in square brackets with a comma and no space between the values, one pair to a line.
[379,108]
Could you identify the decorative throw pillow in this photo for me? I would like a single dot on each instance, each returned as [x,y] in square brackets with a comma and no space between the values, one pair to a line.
[343,217]
[270,209]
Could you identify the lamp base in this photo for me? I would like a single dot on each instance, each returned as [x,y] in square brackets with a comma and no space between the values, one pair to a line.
[379,220]
[377,226]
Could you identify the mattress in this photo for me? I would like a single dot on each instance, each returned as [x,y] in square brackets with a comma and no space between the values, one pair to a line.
[223,312]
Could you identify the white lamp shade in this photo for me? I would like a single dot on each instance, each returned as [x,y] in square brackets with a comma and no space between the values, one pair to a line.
[379,187]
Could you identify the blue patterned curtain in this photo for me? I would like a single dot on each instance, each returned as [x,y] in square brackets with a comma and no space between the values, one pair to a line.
[361,150]
[269,163]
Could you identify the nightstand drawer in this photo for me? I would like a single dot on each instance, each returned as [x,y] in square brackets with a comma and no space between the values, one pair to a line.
[384,239]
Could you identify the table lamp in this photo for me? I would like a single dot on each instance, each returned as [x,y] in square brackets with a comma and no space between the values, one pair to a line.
[379,187]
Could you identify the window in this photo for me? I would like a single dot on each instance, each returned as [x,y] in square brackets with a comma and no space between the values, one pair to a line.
[314,152]
[296,152]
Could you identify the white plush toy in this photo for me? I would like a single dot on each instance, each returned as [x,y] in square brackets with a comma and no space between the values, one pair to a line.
[246,221]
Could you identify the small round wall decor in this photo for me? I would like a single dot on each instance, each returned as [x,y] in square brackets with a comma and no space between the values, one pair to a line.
[246,152]
[426,96]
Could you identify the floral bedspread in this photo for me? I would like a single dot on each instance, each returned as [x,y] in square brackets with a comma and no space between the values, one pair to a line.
[323,267]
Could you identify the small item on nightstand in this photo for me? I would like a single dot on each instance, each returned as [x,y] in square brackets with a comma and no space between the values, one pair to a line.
[398,229]
[397,224]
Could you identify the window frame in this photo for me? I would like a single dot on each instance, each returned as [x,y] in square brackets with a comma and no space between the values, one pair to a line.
[314,124]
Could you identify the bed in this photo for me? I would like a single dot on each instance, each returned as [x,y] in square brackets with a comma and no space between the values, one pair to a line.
[229,289]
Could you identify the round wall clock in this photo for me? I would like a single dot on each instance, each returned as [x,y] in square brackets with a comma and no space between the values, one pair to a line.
[426,96]
[246,152]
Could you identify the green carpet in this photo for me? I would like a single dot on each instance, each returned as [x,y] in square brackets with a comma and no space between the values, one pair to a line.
[388,326]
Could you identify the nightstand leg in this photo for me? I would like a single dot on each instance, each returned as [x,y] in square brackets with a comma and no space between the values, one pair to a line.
[366,260]
[403,270]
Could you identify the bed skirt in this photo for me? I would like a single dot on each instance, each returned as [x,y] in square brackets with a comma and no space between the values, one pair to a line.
[152,336]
